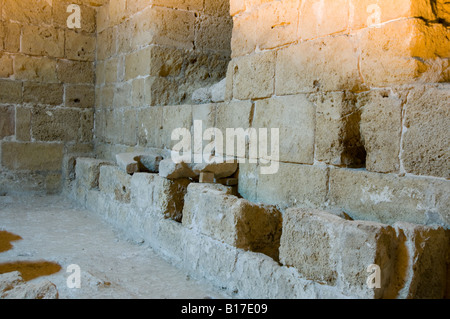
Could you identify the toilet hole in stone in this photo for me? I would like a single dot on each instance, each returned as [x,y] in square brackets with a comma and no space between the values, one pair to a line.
[28,269]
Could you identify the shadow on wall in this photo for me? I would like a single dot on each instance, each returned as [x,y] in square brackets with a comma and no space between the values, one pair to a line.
[28,269]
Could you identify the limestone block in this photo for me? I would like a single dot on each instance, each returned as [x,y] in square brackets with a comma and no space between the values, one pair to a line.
[388,198]
[218,91]
[235,116]
[122,95]
[171,170]
[244,39]
[426,142]
[338,139]
[39,69]
[115,183]
[138,92]
[367,13]
[102,17]
[87,171]
[165,61]
[422,258]
[32,156]
[175,117]
[86,132]
[111,71]
[28,11]
[79,46]
[202,95]
[146,161]
[117,11]
[43,93]
[213,33]
[442,10]
[236,6]
[293,185]
[46,41]
[151,192]
[162,91]
[23,123]
[137,63]
[218,169]
[10,91]
[163,26]
[6,66]
[75,71]
[294,117]
[55,124]
[234,221]
[149,129]
[129,127]
[81,96]
[314,65]
[7,121]
[10,34]
[322,18]
[217,8]
[253,76]
[106,44]
[336,252]
[248,180]
[416,54]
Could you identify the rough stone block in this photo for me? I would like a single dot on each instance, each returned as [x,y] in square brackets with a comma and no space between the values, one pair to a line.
[74,72]
[294,117]
[175,117]
[79,46]
[87,171]
[337,138]
[165,197]
[81,96]
[426,142]
[28,11]
[254,75]
[149,130]
[43,41]
[293,185]
[336,252]
[389,198]
[218,169]
[32,156]
[213,33]
[10,36]
[7,121]
[40,69]
[422,261]
[106,44]
[244,39]
[171,170]
[10,91]
[115,182]
[137,63]
[88,14]
[315,65]
[43,93]
[55,124]
[237,222]
[146,161]
[6,65]
[322,18]
[23,124]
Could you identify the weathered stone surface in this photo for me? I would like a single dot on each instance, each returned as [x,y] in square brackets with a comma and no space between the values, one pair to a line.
[32,156]
[213,33]
[74,72]
[7,121]
[338,138]
[56,124]
[23,123]
[43,41]
[146,161]
[41,69]
[337,252]
[10,91]
[87,171]
[115,182]
[10,34]
[293,185]
[81,96]
[150,192]
[9,280]
[43,93]
[202,95]
[389,198]
[254,76]
[294,118]
[28,11]
[60,15]
[218,91]
[426,137]
[422,261]
[381,128]
[219,169]
[79,46]
[171,170]
[314,65]
[6,65]
[43,289]
[235,221]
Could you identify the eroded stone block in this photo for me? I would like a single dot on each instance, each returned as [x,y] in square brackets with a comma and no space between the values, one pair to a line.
[87,171]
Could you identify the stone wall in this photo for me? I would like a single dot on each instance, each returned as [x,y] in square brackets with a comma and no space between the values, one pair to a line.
[359,90]
[47,91]
[151,57]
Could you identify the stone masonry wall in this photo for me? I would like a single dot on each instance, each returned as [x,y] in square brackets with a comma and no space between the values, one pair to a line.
[359,90]
[46,91]
[151,56]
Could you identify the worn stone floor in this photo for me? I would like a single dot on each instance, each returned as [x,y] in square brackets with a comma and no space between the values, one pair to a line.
[43,235]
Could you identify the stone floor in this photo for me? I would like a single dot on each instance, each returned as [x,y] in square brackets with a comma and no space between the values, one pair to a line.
[54,233]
